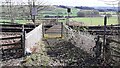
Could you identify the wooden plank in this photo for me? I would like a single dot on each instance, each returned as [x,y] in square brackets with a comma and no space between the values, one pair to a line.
[18,25]
[15,30]
[112,40]
[116,51]
[114,60]
[10,38]
[10,44]
[101,27]
[116,56]
[12,49]
[11,25]
[116,48]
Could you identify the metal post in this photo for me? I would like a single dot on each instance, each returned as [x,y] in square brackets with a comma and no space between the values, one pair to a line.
[104,39]
[68,11]
[34,12]
[67,21]
[107,51]
[119,21]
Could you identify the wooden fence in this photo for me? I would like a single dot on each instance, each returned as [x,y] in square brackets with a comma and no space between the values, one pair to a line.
[109,52]
[14,48]
[112,51]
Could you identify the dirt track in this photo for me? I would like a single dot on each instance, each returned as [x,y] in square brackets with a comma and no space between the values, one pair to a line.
[67,54]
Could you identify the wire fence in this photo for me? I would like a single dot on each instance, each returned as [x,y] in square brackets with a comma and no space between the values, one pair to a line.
[81,39]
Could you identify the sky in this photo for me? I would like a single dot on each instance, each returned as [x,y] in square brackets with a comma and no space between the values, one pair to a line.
[80,2]
[90,3]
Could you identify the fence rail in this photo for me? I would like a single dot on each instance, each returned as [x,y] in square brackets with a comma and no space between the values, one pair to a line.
[15,29]
[6,38]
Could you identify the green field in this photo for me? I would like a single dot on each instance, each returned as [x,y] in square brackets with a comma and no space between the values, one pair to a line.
[54,11]
[96,20]
[87,20]
[59,12]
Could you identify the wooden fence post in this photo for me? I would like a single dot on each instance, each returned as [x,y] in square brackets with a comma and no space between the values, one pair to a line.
[107,50]
[98,47]
[62,29]
[43,30]
[23,40]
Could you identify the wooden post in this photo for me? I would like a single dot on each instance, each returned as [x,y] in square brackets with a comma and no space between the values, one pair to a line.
[98,47]
[23,40]
[107,50]
[43,30]
[61,29]
[3,54]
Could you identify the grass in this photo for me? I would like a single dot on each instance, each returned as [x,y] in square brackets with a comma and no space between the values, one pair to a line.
[39,58]
[96,20]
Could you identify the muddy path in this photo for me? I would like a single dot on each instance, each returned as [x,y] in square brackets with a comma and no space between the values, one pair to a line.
[64,53]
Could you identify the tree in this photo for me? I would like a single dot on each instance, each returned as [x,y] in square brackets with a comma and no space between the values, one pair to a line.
[81,14]
[87,13]
[96,12]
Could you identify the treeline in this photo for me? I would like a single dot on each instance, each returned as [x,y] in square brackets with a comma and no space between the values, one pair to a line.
[106,10]
[85,8]
[62,6]
[89,8]
[88,13]
[98,9]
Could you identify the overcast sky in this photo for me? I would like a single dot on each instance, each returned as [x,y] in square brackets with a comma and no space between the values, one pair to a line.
[75,2]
